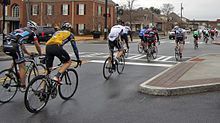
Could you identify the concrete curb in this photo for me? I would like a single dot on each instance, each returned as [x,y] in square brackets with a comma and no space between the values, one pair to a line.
[162,91]
[216,42]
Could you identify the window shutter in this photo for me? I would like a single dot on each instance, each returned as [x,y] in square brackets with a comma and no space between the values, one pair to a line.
[77,7]
[84,26]
[37,9]
[46,10]
[84,9]
[31,9]
[52,9]
[68,9]
[77,28]
[61,9]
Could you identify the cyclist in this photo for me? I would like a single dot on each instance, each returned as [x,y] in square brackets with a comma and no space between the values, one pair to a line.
[200,33]
[216,32]
[206,33]
[151,36]
[114,40]
[23,35]
[212,33]
[196,36]
[54,47]
[142,32]
[179,38]
[124,36]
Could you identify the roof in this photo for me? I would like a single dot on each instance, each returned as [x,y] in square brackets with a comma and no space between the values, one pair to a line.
[103,1]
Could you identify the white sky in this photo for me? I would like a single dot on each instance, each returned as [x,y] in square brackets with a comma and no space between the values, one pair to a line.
[193,9]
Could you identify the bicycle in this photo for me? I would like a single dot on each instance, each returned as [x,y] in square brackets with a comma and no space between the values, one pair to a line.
[125,53]
[195,44]
[42,87]
[10,81]
[141,46]
[206,39]
[177,53]
[151,52]
[110,68]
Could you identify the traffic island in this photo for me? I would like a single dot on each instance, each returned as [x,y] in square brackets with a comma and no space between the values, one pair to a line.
[196,75]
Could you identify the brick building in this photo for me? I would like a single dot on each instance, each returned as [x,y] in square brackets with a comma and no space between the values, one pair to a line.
[84,15]
[204,23]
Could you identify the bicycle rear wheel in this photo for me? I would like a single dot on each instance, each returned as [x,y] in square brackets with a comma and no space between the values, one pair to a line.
[39,69]
[177,53]
[140,48]
[8,85]
[121,64]
[107,68]
[37,94]
[155,52]
[69,84]
[149,55]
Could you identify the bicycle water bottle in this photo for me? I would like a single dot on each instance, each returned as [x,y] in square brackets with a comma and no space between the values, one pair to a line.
[26,67]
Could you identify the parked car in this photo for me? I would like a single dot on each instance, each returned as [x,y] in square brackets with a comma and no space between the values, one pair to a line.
[172,34]
[44,33]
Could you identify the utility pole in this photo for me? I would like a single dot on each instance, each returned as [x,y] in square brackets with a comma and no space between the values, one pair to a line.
[105,30]
[181,13]
[4,3]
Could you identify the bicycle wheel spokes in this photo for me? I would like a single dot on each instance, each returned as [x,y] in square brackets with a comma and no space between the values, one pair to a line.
[8,85]
[107,68]
[177,54]
[69,84]
[121,64]
[39,69]
[36,94]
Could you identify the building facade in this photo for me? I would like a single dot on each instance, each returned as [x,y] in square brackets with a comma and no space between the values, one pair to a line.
[195,24]
[84,15]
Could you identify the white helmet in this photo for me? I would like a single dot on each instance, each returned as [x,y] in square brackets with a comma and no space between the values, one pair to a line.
[176,27]
[32,24]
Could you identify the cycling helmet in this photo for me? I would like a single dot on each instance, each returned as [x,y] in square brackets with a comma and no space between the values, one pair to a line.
[32,24]
[66,26]
[176,27]
[151,26]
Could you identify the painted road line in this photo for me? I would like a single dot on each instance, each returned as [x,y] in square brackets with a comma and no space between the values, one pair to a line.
[140,57]
[135,63]
[157,59]
[169,57]
[132,57]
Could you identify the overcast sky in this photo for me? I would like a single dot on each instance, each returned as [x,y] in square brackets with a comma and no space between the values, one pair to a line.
[193,9]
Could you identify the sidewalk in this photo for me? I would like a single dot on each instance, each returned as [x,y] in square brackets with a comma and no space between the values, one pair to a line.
[196,75]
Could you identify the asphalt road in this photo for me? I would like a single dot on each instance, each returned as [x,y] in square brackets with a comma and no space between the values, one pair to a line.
[117,100]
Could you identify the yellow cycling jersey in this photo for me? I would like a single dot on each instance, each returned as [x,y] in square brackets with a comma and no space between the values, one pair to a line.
[60,37]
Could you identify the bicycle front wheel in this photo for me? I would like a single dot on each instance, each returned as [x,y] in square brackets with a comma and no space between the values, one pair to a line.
[8,85]
[121,64]
[36,70]
[37,94]
[155,52]
[107,68]
[177,53]
[69,84]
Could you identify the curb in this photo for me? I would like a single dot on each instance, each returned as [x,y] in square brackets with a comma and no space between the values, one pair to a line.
[162,91]
[216,42]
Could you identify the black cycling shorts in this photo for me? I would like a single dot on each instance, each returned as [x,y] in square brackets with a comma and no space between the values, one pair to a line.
[53,50]
[180,40]
[124,37]
[19,55]
[196,37]
[115,43]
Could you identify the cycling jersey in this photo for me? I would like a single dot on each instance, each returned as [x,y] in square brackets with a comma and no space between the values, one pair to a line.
[115,32]
[126,29]
[25,35]
[195,33]
[142,32]
[179,33]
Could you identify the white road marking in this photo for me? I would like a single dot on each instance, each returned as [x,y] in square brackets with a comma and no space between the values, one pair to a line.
[135,63]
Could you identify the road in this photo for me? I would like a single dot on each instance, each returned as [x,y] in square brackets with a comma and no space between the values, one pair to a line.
[117,100]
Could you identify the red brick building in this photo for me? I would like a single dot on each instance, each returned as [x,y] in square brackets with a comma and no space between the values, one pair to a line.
[84,15]
[204,23]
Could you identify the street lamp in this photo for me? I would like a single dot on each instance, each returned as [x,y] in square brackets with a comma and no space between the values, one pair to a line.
[105,30]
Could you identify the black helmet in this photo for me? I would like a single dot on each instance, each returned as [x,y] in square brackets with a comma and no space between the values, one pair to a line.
[66,26]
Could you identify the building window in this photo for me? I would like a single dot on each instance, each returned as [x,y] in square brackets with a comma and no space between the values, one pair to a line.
[35,10]
[99,11]
[49,25]
[99,27]
[15,11]
[108,11]
[218,24]
[81,9]
[204,24]
[80,28]
[49,9]
[65,9]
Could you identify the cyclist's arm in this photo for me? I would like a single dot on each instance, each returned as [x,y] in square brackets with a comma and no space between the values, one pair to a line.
[25,50]
[37,45]
[75,49]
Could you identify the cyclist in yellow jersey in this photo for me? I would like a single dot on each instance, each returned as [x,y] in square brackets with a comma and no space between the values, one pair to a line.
[54,47]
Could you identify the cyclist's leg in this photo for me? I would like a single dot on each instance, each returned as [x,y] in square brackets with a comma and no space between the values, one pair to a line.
[120,48]
[111,45]
[126,40]
[20,60]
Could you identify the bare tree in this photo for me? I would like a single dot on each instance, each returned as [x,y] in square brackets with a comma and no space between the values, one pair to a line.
[166,9]
[130,8]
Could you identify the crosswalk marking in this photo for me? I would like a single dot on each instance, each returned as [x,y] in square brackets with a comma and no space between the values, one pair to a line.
[136,63]
[132,57]
[157,59]
[167,58]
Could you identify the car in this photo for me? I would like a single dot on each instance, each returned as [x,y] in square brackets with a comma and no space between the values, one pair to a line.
[44,33]
[172,34]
